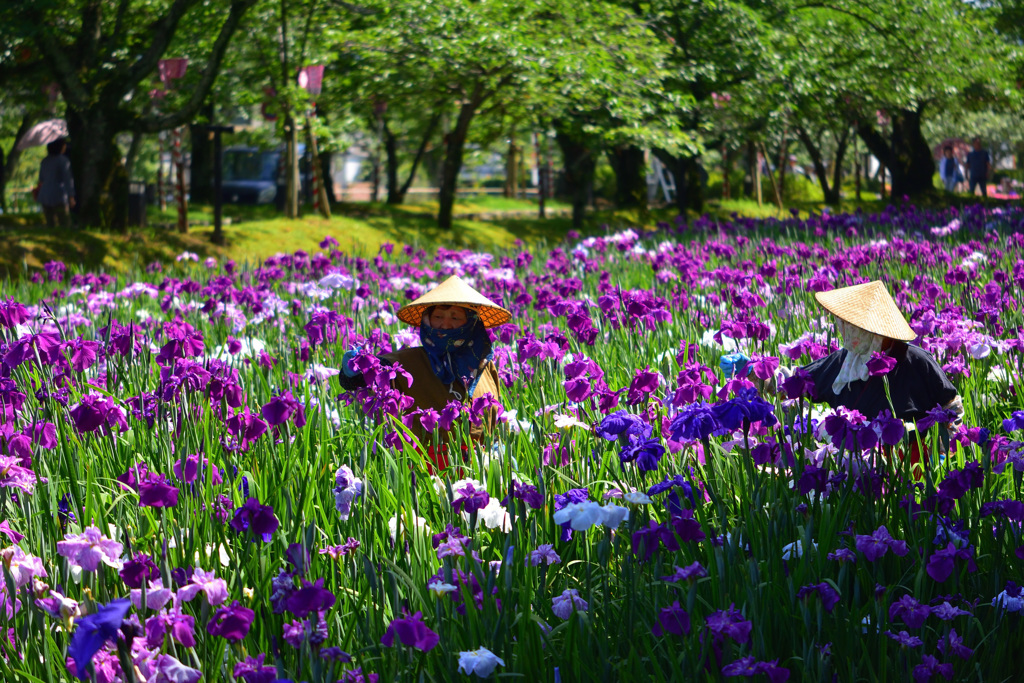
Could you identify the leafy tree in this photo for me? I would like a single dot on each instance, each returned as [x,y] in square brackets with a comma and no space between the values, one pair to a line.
[487,56]
[888,62]
[102,55]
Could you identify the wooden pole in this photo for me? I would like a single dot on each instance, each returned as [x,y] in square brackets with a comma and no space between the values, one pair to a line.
[771,177]
[757,175]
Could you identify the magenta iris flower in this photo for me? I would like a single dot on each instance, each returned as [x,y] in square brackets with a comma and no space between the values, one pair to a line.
[880,364]
[411,632]
[232,622]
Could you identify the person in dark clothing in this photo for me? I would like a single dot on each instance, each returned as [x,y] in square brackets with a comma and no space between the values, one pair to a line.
[869,322]
[56,185]
[979,166]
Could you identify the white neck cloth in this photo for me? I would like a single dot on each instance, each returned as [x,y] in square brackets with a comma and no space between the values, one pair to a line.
[859,345]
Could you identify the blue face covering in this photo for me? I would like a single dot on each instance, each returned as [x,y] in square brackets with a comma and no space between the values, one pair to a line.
[457,354]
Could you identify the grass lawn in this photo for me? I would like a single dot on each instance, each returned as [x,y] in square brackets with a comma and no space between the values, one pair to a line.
[254,233]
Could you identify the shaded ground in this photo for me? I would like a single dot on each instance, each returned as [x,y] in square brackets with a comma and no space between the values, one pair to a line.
[254,233]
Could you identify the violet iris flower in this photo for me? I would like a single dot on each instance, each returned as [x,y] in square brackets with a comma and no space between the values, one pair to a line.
[878,543]
[312,597]
[232,622]
[259,519]
[411,632]
[470,499]
[672,620]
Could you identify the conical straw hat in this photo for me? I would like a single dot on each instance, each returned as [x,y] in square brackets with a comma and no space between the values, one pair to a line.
[455,292]
[870,308]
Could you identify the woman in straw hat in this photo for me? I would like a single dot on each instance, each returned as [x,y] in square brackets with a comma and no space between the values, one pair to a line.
[454,362]
[869,322]
[874,332]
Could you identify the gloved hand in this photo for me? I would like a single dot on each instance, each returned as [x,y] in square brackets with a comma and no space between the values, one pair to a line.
[735,365]
[346,362]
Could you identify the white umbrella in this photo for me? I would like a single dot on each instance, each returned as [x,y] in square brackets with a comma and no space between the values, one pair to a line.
[43,133]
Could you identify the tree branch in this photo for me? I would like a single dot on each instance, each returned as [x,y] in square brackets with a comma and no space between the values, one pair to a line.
[127,77]
[199,93]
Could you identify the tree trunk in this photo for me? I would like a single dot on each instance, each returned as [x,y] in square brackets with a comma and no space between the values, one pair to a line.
[291,168]
[8,168]
[726,171]
[831,193]
[454,147]
[100,183]
[783,164]
[328,178]
[511,169]
[421,151]
[580,166]
[905,154]
[391,153]
[627,162]
[837,170]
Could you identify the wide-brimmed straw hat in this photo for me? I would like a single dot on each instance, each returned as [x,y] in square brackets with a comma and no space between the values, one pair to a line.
[869,307]
[455,292]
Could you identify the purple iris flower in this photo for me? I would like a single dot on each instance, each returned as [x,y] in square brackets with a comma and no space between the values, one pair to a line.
[470,499]
[156,492]
[910,610]
[312,597]
[880,364]
[748,667]
[620,423]
[138,570]
[953,643]
[92,631]
[257,518]
[696,421]
[232,622]
[905,639]
[828,595]
[281,409]
[672,620]
[799,385]
[252,670]
[647,453]
[878,543]
[729,624]
[940,564]
[411,632]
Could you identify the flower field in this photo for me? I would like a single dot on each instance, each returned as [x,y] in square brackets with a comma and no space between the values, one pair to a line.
[189,494]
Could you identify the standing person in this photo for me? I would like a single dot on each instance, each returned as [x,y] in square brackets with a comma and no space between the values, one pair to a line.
[453,364]
[949,170]
[56,185]
[979,166]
